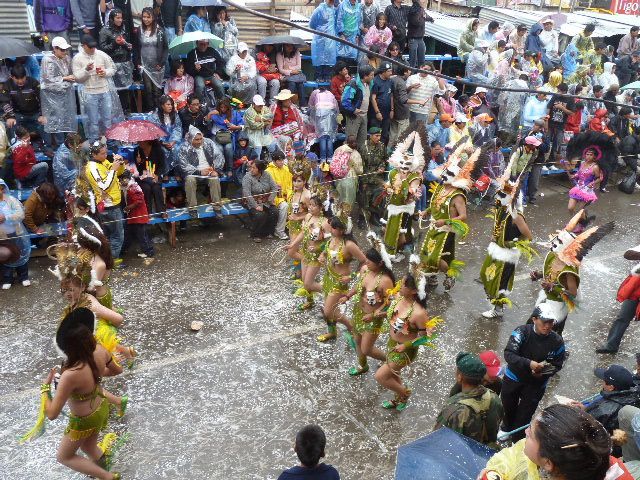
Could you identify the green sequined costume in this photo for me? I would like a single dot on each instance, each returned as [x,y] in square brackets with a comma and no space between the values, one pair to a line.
[332,280]
[405,358]
[499,267]
[440,245]
[376,326]
[310,255]
[401,206]
[561,304]
[80,428]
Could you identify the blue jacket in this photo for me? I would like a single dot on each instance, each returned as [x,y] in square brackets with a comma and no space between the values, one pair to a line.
[352,96]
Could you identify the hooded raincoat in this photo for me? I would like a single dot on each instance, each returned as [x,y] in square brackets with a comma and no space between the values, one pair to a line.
[348,21]
[467,40]
[608,78]
[323,50]
[57,96]
[569,60]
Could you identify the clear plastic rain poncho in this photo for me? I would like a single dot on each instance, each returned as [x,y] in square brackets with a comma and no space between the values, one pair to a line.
[57,97]
[323,110]
[511,106]
[324,51]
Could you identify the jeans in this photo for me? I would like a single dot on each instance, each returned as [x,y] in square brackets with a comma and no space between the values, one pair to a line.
[630,450]
[98,110]
[417,117]
[326,148]
[621,323]
[170,33]
[357,126]
[111,219]
[262,83]
[417,51]
[37,176]
[298,88]
[397,128]
[22,273]
[138,232]
[534,180]
[216,84]
[228,157]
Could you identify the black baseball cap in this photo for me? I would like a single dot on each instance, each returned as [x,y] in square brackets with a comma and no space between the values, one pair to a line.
[89,41]
[616,375]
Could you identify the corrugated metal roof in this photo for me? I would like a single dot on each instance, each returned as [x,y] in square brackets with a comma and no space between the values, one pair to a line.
[445,29]
[628,20]
[14,22]
[569,24]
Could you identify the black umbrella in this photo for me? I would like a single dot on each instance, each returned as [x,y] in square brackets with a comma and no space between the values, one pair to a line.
[12,47]
[281,39]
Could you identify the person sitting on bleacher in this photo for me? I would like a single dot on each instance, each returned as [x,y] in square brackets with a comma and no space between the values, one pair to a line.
[26,169]
[203,63]
[4,145]
[149,162]
[195,114]
[201,161]
[167,118]
[21,95]
[66,162]
[44,205]
[259,191]
[14,236]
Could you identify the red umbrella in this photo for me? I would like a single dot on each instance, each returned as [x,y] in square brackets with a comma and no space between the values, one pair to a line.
[131,131]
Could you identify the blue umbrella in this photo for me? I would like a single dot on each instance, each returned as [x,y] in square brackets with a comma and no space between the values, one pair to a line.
[443,454]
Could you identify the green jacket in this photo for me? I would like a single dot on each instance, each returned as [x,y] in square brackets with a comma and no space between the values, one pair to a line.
[373,158]
[475,414]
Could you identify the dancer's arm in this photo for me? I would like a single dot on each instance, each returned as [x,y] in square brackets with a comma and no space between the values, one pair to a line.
[525,231]
[114,318]
[53,406]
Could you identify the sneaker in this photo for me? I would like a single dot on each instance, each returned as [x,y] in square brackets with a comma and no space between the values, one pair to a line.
[606,349]
[545,168]
[448,283]
[398,257]
[432,281]
[142,255]
[6,286]
[493,313]
[282,236]
[26,283]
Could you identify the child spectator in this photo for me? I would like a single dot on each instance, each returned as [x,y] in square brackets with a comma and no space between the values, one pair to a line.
[268,70]
[180,85]
[44,205]
[137,216]
[310,444]
[241,156]
[340,80]
[26,169]
[14,236]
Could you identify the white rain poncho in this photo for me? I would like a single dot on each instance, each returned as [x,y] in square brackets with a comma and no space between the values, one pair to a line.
[511,106]
[57,97]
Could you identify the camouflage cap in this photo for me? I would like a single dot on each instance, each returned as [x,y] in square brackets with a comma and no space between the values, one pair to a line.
[470,365]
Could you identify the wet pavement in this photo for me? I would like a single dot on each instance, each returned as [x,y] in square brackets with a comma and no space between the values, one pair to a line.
[227,401]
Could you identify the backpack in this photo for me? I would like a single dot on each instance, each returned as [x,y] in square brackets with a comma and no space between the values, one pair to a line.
[628,183]
[339,166]
[477,419]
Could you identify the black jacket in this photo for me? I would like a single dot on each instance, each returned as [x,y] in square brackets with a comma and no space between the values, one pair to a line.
[107,43]
[416,20]
[170,13]
[625,68]
[196,119]
[606,406]
[209,68]
[525,345]
[24,100]
[620,125]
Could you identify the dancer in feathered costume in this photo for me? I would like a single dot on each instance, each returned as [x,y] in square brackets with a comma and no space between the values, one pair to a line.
[371,291]
[84,365]
[595,151]
[75,271]
[448,214]
[561,271]
[403,188]
[409,327]
[511,237]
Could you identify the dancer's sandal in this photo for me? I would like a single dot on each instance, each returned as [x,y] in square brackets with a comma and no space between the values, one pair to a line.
[306,305]
[117,476]
[301,292]
[402,400]
[123,405]
[106,445]
[325,337]
[359,370]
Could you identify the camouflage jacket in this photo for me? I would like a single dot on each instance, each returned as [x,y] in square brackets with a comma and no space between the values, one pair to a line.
[373,158]
[476,414]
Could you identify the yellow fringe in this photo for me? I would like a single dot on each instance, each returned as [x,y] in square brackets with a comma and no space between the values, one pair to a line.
[434,322]
[455,268]
[40,426]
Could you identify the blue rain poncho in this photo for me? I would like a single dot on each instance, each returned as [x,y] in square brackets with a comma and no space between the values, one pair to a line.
[348,21]
[323,50]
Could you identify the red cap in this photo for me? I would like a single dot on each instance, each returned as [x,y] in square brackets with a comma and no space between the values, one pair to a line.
[491,361]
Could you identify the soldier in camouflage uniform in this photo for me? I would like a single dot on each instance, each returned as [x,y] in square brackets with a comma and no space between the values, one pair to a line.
[374,158]
[476,412]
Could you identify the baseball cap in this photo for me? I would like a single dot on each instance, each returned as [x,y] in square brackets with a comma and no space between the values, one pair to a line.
[461,118]
[61,43]
[547,20]
[445,117]
[491,361]
[616,375]
[243,47]
[89,41]
[543,311]
[481,90]
[485,116]
[470,365]
[258,100]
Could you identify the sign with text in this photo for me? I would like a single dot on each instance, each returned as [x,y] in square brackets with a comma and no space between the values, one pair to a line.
[625,7]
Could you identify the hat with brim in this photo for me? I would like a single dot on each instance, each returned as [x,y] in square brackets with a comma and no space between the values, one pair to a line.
[481,90]
[544,312]
[533,141]
[75,318]
[491,361]
[258,100]
[485,117]
[284,95]
[61,43]
[9,252]
[547,20]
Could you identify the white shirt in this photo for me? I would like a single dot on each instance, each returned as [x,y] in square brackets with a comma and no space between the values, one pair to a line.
[428,88]
[202,160]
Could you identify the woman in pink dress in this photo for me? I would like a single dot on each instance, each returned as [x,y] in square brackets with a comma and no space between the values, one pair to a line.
[586,179]
[180,85]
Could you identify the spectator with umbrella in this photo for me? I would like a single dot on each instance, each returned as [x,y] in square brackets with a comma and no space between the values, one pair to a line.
[203,63]
[290,66]
[243,74]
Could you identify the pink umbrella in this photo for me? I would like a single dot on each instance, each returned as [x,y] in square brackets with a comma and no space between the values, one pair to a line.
[131,131]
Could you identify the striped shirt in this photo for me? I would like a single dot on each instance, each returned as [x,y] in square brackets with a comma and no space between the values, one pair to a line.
[397,16]
[428,88]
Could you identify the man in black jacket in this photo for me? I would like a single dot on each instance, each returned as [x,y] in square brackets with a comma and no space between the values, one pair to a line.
[204,64]
[20,99]
[195,114]
[534,353]
[618,390]
[170,17]
[627,68]
[397,16]
[416,20]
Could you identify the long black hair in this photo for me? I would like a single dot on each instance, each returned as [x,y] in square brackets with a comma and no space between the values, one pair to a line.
[411,282]
[575,443]
[161,101]
[111,25]
[374,255]
[154,21]
[293,52]
[79,349]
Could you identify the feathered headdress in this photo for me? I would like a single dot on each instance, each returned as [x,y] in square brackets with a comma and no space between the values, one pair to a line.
[417,270]
[454,157]
[583,243]
[73,261]
[601,143]
[471,170]
[412,150]
[378,244]
[300,166]
[343,212]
